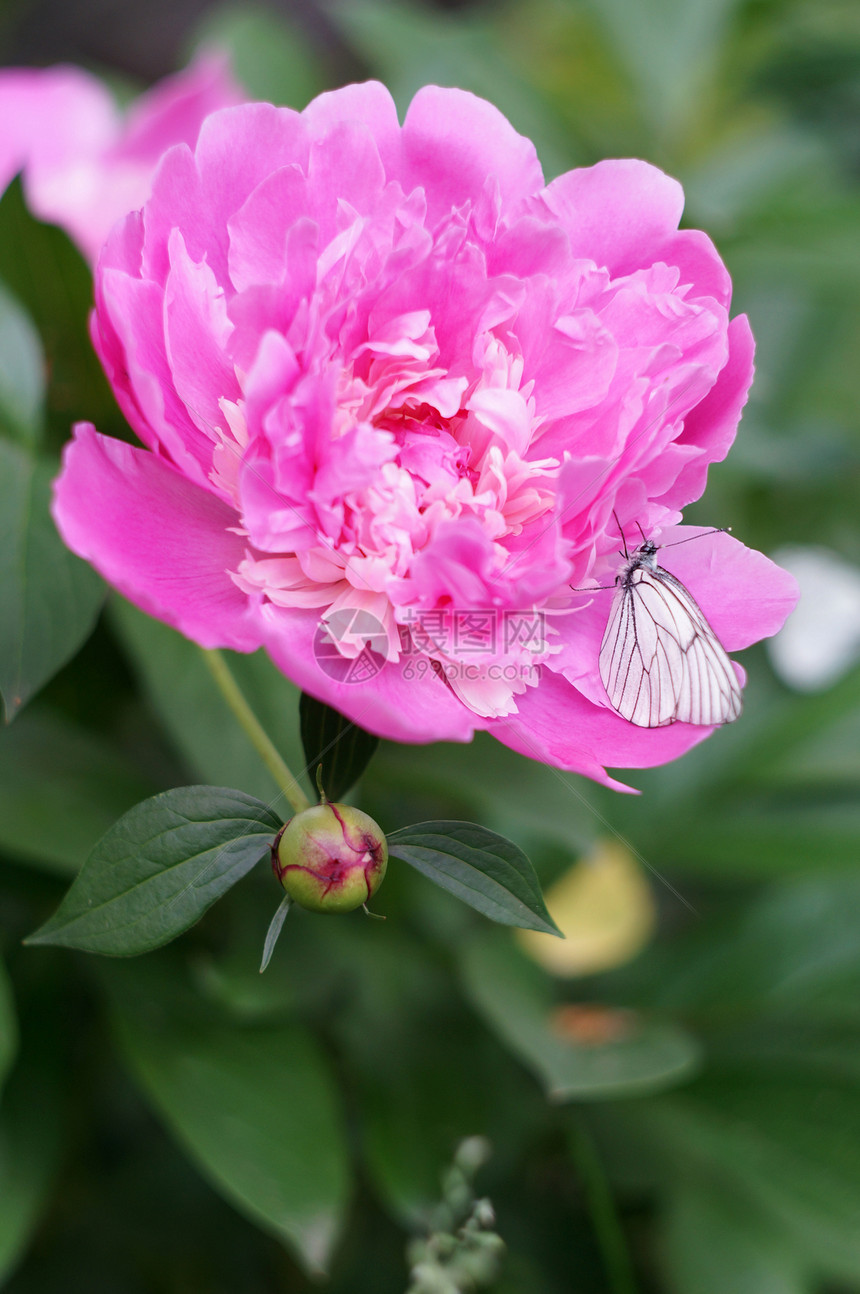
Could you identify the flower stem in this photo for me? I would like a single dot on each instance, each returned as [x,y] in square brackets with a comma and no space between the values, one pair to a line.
[254,730]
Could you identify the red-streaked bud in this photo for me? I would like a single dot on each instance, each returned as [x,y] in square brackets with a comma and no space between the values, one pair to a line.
[330,858]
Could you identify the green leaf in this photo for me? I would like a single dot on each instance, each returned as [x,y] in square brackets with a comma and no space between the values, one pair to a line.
[159,868]
[792,952]
[789,1141]
[762,836]
[49,276]
[49,599]
[30,1145]
[61,789]
[411,1122]
[411,45]
[335,745]
[828,1047]
[276,925]
[255,1107]
[808,741]
[515,797]
[728,183]
[515,997]
[195,714]
[483,869]
[714,1241]
[8,1025]
[669,51]
[387,1024]
[270,57]
[22,373]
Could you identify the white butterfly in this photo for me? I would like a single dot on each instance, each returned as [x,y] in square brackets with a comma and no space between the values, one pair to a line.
[660,661]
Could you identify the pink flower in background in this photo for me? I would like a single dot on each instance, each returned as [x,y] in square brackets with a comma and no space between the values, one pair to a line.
[85,162]
[387,377]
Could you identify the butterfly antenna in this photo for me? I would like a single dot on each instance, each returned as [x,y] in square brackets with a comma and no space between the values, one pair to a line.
[621,533]
[717,530]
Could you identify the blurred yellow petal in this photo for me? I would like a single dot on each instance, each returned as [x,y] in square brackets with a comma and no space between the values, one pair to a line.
[604,907]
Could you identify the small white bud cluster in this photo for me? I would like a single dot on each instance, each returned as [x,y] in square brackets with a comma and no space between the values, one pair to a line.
[462,1251]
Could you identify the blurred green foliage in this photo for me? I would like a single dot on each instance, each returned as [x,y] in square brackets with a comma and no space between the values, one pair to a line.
[714,1151]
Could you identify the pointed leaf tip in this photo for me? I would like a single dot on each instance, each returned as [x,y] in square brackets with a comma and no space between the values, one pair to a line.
[336,749]
[159,868]
[485,870]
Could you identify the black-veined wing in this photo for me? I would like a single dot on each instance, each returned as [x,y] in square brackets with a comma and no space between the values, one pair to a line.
[660,661]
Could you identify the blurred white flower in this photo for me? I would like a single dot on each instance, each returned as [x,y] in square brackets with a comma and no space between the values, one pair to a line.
[821,639]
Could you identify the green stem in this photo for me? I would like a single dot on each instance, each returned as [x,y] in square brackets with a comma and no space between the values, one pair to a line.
[601,1206]
[256,733]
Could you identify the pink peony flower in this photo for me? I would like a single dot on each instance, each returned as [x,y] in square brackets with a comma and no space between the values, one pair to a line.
[391,383]
[85,163]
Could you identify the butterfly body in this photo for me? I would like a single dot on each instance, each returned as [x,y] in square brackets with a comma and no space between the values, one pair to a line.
[660,661]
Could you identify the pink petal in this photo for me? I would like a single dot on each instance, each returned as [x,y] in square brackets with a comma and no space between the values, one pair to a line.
[83,166]
[173,111]
[197,332]
[743,594]
[700,265]
[400,702]
[258,230]
[616,212]
[710,428]
[368,104]
[197,194]
[558,726]
[155,536]
[51,116]
[344,168]
[130,342]
[459,564]
[453,142]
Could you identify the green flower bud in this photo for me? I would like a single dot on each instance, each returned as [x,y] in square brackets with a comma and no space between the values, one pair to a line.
[330,858]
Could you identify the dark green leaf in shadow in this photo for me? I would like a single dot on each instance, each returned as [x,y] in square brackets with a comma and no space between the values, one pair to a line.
[515,997]
[158,870]
[485,870]
[713,1241]
[49,599]
[787,1140]
[791,952]
[51,279]
[764,835]
[334,745]
[484,780]
[774,753]
[8,1025]
[22,373]
[270,57]
[255,1106]
[411,1123]
[198,720]
[61,789]
[30,1146]
[406,1040]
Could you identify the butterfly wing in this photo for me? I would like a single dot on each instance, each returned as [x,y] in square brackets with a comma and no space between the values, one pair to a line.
[660,661]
